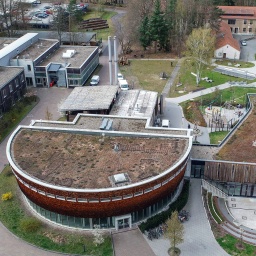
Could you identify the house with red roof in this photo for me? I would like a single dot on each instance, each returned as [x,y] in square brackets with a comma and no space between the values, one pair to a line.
[227,47]
[241,19]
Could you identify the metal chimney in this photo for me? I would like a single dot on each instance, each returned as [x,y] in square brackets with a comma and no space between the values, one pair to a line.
[110,60]
[115,59]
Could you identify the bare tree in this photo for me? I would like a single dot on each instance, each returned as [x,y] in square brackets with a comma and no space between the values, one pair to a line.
[6,7]
[200,49]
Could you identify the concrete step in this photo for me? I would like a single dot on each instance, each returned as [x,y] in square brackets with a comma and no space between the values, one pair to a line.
[237,229]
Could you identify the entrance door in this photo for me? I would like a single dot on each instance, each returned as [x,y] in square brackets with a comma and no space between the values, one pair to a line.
[236,30]
[123,222]
[224,55]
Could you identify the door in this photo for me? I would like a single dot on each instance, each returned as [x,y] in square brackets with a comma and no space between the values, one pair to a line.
[123,222]
[224,55]
[236,30]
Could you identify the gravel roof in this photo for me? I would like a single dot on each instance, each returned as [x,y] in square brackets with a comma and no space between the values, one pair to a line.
[90,98]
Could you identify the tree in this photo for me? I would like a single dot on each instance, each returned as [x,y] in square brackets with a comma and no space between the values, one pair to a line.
[175,230]
[145,33]
[61,22]
[158,27]
[200,47]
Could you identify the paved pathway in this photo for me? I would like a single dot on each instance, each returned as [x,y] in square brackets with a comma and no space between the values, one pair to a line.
[198,238]
[131,242]
[172,78]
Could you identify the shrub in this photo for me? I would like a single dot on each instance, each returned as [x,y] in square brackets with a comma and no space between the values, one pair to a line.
[160,218]
[30,224]
[7,196]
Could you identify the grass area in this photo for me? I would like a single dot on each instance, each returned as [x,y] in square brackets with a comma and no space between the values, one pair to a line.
[105,15]
[217,137]
[188,81]
[212,207]
[14,216]
[145,74]
[234,62]
[12,118]
[228,243]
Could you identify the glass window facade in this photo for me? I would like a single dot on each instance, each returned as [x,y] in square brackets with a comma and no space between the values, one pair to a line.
[107,222]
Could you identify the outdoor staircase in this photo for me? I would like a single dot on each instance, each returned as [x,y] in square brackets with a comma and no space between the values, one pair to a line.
[212,189]
[94,24]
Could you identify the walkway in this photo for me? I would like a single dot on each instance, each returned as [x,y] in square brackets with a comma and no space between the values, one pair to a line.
[198,238]
[131,242]
[172,78]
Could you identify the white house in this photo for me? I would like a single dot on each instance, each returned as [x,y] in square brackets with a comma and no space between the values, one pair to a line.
[227,47]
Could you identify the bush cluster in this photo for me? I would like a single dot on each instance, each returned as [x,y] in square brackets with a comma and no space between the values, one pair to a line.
[7,196]
[30,224]
[160,218]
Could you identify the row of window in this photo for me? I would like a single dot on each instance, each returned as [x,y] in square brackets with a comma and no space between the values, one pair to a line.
[233,21]
[244,30]
[98,200]
[10,86]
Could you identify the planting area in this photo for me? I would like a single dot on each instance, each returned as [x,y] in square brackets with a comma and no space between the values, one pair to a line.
[86,161]
[242,145]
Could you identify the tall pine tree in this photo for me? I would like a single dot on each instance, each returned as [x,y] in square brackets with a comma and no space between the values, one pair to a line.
[144,31]
[159,27]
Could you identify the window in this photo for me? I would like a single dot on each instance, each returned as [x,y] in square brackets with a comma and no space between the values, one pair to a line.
[245,21]
[231,29]
[29,67]
[4,93]
[250,30]
[244,29]
[22,78]
[16,82]
[10,87]
[251,22]
[232,22]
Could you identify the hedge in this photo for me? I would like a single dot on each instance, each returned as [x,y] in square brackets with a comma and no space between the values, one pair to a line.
[160,218]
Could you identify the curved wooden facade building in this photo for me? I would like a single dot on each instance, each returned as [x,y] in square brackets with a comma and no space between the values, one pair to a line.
[61,179]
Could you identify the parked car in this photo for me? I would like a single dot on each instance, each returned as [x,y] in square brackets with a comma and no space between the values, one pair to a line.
[47,7]
[95,80]
[42,15]
[120,77]
[124,86]
[243,43]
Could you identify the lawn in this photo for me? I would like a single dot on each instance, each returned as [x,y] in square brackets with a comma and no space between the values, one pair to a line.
[145,74]
[228,243]
[13,215]
[217,137]
[188,81]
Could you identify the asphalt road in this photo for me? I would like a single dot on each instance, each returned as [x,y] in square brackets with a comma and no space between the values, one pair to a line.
[247,52]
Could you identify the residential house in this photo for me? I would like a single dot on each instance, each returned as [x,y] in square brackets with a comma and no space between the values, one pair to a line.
[227,47]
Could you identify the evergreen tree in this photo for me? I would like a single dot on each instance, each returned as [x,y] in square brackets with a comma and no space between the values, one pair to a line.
[144,33]
[158,26]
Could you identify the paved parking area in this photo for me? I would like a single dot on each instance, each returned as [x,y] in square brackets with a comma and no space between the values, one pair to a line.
[247,52]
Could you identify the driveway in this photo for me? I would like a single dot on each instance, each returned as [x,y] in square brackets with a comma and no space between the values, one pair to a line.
[247,52]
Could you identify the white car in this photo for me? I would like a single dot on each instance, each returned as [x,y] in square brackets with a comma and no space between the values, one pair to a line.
[243,43]
[120,77]
[95,80]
